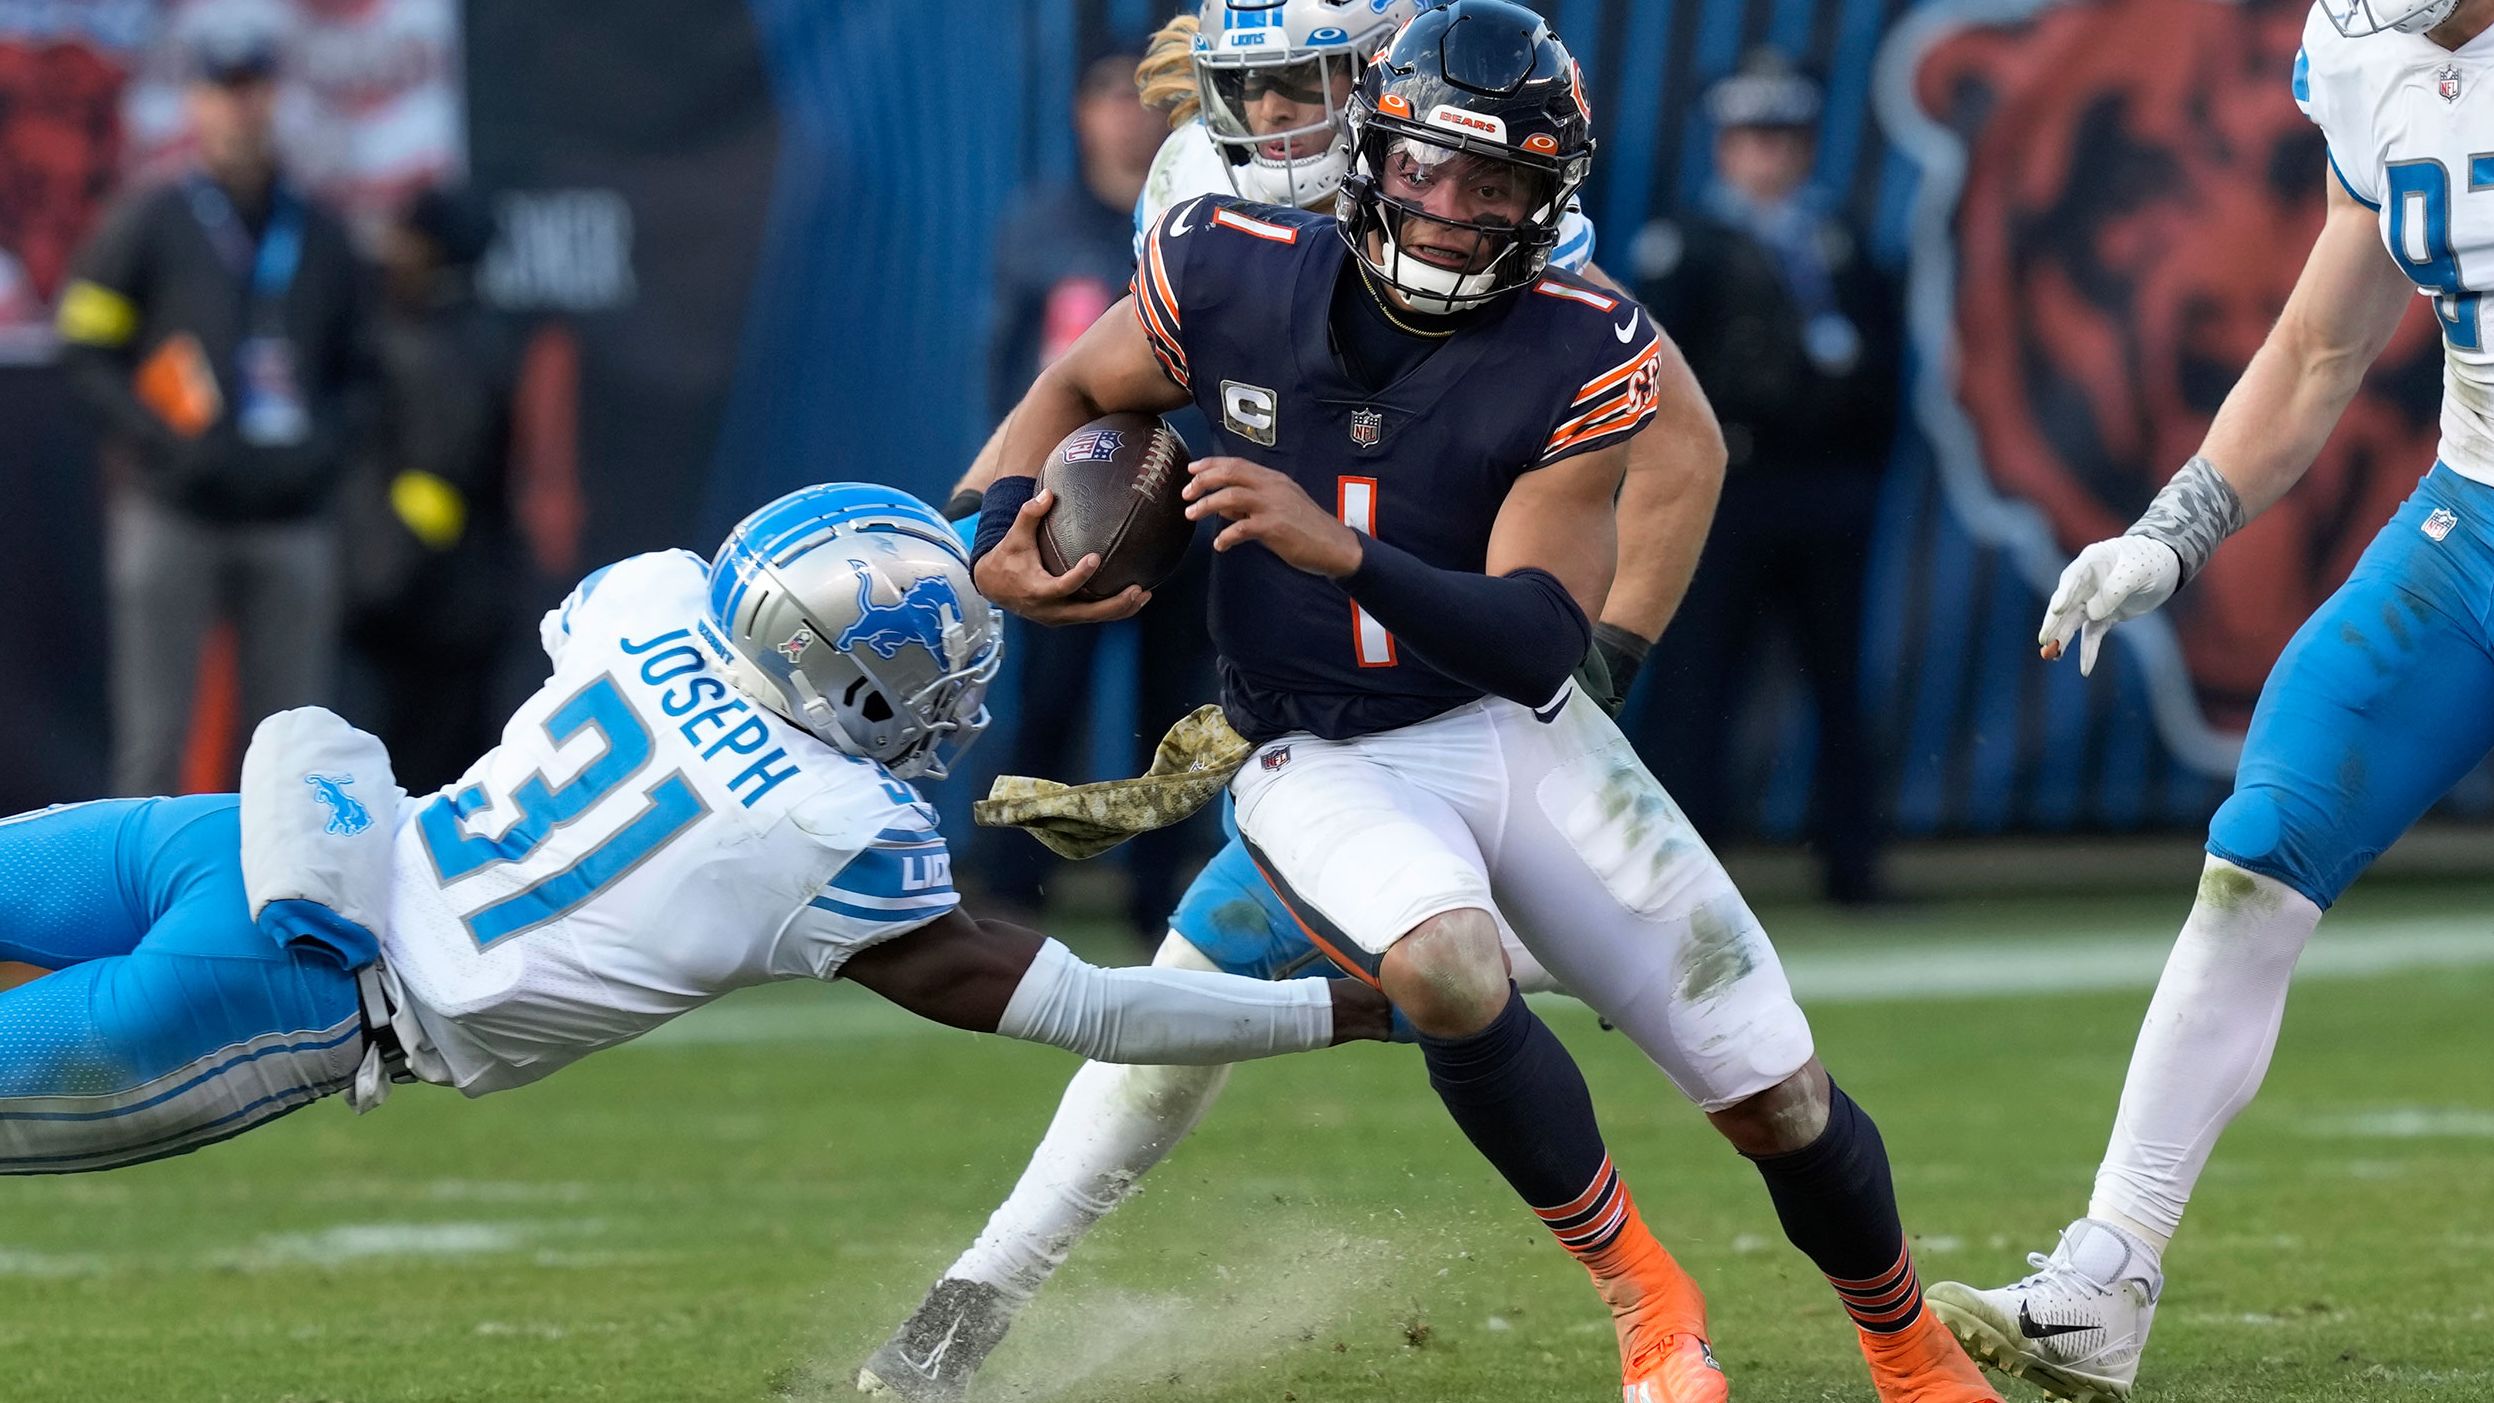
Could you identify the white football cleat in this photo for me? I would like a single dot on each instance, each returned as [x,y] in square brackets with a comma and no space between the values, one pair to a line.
[2075,1328]
[934,1353]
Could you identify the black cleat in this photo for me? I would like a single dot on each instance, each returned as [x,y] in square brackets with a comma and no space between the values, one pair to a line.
[932,1357]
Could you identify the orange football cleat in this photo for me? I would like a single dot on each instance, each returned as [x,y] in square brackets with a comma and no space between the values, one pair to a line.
[1922,1363]
[1661,1318]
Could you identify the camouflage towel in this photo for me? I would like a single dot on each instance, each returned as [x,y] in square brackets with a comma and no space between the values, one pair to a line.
[1194,762]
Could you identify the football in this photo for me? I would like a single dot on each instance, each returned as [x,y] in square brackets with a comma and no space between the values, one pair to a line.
[1117,481]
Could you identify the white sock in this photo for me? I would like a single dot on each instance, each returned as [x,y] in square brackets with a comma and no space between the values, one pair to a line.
[2204,1047]
[1113,1125]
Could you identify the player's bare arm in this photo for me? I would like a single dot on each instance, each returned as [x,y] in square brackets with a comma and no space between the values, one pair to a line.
[2345,306]
[1110,370]
[968,974]
[1666,503]
[985,466]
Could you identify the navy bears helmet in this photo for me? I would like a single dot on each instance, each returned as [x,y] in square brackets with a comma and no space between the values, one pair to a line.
[1478,84]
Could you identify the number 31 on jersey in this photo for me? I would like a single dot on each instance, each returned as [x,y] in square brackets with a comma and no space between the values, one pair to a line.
[667,808]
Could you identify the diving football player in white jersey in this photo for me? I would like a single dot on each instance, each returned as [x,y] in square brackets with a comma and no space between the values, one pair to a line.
[710,791]
[2381,702]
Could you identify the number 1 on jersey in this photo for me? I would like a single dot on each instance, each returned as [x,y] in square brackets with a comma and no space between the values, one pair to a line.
[1356,503]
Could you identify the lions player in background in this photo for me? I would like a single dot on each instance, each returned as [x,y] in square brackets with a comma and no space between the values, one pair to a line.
[1256,91]
[710,791]
[1424,429]
[2381,702]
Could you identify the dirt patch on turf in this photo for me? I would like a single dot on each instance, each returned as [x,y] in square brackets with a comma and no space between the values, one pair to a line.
[1087,1342]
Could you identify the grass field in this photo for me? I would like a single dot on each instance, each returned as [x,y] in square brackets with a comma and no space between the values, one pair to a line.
[739,1208]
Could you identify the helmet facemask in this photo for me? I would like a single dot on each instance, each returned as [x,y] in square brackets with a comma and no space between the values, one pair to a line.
[1300,165]
[1394,174]
[863,631]
[2355,19]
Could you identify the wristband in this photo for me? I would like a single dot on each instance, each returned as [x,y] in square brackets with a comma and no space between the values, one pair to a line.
[1004,500]
[2192,515]
[1623,652]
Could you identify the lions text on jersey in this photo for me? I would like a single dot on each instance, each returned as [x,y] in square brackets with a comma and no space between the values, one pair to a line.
[2410,130]
[643,840]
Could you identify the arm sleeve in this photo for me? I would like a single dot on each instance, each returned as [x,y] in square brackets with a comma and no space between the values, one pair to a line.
[1517,636]
[897,883]
[1156,284]
[1615,403]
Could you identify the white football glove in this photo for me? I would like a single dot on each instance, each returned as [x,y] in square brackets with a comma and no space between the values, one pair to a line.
[2110,581]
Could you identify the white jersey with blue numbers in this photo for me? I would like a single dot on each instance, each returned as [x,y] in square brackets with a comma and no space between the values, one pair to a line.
[2410,129]
[1188,164]
[644,839]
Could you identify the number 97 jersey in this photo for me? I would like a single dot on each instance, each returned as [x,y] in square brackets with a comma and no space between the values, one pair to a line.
[643,839]
[2410,130]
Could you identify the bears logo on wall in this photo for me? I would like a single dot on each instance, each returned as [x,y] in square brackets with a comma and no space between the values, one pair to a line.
[2117,197]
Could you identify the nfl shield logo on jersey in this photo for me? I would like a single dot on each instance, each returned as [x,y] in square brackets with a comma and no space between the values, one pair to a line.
[1367,425]
[1275,758]
[2439,525]
[2446,82]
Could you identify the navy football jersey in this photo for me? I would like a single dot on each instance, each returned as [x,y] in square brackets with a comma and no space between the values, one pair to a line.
[1234,299]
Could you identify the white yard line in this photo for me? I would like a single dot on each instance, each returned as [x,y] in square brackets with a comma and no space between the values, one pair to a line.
[1876,970]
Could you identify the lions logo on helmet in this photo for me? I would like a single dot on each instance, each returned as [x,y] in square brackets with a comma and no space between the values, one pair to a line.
[913,646]
[928,614]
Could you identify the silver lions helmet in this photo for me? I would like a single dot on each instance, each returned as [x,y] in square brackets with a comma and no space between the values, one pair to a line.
[848,609]
[2358,18]
[1307,52]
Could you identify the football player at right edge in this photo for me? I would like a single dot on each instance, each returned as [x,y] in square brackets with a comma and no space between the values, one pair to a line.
[2380,703]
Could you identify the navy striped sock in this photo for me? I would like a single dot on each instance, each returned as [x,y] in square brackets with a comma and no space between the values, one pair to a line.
[1838,1205]
[1520,1099]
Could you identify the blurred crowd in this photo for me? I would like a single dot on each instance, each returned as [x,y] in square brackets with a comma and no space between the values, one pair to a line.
[306,441]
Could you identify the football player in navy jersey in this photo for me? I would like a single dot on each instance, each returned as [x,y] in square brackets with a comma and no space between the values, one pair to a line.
[1422,430]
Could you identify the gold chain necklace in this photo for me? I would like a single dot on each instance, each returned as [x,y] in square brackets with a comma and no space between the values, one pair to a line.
[1369,283]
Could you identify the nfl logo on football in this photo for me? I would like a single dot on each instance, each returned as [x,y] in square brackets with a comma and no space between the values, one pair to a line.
[1367,426]
[1097,446]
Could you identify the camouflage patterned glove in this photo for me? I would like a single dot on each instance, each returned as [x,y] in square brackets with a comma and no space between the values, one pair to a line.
[1194,762]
